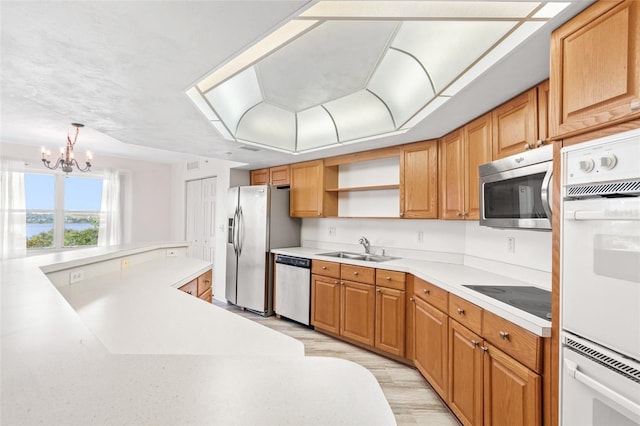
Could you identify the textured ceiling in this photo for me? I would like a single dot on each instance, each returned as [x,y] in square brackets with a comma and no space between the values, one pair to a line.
[122,68]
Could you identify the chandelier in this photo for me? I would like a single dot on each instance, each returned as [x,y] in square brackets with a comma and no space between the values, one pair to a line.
[66,160]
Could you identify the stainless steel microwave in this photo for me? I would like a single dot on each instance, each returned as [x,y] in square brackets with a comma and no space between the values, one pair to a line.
[515,192]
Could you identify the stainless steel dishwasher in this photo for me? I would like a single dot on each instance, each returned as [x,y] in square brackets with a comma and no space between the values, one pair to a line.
[293,288]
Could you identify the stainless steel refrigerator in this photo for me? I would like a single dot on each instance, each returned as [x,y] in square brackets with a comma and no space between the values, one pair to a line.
[258,221]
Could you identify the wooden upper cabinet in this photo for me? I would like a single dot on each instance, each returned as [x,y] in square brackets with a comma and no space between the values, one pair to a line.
[259,177]
[461,152]
[419,180]
[276,176]
[307,195]
[515,125]
[595,68]
[279,176]
[452,176]
[543,114]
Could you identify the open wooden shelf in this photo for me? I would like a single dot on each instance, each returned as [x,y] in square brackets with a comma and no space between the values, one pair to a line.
[364,188]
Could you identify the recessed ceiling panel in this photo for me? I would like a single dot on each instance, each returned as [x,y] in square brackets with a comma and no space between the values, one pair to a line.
[447,48]
[269,125]
[420,9]
[403,85]
[333,60]
[235,96]
[359,115]
[315,129]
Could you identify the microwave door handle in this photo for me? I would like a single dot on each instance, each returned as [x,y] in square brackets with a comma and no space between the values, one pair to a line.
[546,192]
[572,369]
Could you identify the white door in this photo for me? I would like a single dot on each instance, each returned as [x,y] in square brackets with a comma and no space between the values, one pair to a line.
[200,218]
[208,209]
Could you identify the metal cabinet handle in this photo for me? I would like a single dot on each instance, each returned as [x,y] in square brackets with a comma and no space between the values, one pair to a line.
[459,214]
[388,278]
[355,272]
[528,146]
[541,142]
[475,343]
[461,311]
[341,282]
[484,349]
[324,267]
[411,299]
[335,282]
[401,214]
[426,291]
[189,292]
[378,290]
[504,335]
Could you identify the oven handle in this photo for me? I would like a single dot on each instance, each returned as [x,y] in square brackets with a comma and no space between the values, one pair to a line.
[601,215]
[572,369]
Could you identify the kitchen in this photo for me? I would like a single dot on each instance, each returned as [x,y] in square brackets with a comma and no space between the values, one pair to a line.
[514,253]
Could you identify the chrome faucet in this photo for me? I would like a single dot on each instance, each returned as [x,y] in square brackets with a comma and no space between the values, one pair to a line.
[365,243]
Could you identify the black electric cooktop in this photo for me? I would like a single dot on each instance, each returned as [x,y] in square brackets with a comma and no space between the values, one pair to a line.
[534,300]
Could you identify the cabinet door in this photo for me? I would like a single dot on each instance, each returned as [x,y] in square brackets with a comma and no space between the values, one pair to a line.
[452,176]
[512,392]
[279,176]
[430,340]
[390,323]
[465,374]
[306,189]
[419,180]
[259,177]
[477,149]
[357,309]
[515,125]
[325,303]
[595,68]
[543,114]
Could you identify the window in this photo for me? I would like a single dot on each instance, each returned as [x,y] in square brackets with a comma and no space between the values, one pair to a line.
[62,211]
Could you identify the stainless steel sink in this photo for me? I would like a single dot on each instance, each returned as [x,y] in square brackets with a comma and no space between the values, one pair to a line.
[359,256]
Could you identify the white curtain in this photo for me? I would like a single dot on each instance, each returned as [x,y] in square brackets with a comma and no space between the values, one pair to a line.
[110,231]
[13,217]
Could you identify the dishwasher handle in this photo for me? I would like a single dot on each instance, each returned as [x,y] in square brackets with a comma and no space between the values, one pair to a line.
[298,262]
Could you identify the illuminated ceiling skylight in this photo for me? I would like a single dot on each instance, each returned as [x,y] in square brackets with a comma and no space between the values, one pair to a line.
[348,71]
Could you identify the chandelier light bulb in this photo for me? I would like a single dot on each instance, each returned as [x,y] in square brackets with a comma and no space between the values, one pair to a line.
[67,159]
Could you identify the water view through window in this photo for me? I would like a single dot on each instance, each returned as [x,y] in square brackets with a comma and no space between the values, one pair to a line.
[72,201]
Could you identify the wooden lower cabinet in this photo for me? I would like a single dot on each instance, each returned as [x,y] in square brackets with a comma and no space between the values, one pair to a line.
[465,374]
[390,320]
[325,307]
[430,344]
[200,287]
[512,392]
[357,309]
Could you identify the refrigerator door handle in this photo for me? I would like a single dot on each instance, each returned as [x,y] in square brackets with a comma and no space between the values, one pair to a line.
[240,231]
[234,230]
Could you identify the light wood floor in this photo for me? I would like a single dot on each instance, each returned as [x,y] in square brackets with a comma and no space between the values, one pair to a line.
[411,398]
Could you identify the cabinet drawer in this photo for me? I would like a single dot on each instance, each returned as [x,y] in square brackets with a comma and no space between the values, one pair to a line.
[390,279]
[191,287]
[204,282]
[206,296]
[360,274]
[466,313]
[521,344]
[432,294]
[328,269]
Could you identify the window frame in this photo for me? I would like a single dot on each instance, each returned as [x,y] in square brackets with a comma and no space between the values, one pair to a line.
[59,213]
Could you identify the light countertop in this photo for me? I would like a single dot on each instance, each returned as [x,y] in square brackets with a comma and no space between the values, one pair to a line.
[448,276]
[127,347]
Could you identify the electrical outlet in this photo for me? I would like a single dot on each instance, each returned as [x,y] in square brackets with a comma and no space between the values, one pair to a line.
[332,231]
[511,244]
[172,253]
[421,237]
[75,276]
[124,263]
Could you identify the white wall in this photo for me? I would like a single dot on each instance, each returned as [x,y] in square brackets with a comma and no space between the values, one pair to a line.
[208,167]
[442,240]
[148,205]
